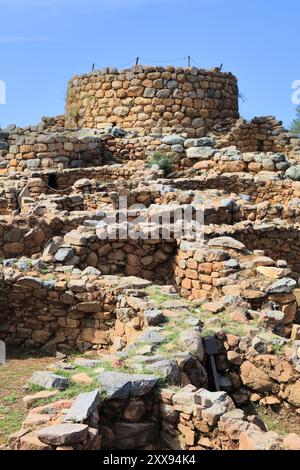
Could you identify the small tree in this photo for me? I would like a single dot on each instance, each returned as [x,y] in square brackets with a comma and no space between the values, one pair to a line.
[295,127]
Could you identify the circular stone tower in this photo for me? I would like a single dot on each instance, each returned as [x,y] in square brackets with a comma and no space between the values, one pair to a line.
[153,100]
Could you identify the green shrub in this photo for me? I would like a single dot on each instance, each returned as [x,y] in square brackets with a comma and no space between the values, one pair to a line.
[163,161]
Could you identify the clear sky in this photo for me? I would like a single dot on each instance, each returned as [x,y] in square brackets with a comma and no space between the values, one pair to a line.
[43,43]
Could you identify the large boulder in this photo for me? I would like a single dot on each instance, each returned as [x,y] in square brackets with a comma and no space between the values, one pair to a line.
[293,173]
[292,393]
[282,286]
[255,378]
[64,254]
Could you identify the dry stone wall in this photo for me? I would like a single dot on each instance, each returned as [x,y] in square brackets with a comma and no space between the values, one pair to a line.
[279,241]
[263,134]
[259,189]
[66,314]
[153,99]
[34,149]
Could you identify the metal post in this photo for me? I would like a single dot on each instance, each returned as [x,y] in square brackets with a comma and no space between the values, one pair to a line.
[211,350]
[93,67]
[189,61]
[137,61]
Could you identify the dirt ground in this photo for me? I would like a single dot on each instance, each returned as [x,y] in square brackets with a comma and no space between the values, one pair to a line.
[13,377]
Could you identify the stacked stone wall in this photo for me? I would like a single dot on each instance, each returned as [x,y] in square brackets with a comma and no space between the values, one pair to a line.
[153,99]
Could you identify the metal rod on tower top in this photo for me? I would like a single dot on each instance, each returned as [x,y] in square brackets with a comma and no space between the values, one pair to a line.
[93,67]
[137,61]
[189,61]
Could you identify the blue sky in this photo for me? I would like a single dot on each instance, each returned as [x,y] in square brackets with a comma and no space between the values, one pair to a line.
[43,43]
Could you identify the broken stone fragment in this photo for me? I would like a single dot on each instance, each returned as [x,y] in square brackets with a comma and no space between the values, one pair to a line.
[193,343]
[83,407]
[269,401]
[284,286]
[207,399]
[49,380]
[35,419]
[255,378]
[272,316]
[212,414]
[263,261]
[120,385]
[90,271]
[77,238]
[292,393]
[52,246]
[183,400]
[64,254]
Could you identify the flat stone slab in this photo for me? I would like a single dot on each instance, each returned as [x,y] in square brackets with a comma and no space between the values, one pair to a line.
[63,434]
[49,380]
[31,400]
[121,385]
[173,139]
[132,282]
[30,282]
[200,153]
[82,408]
[227,242]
